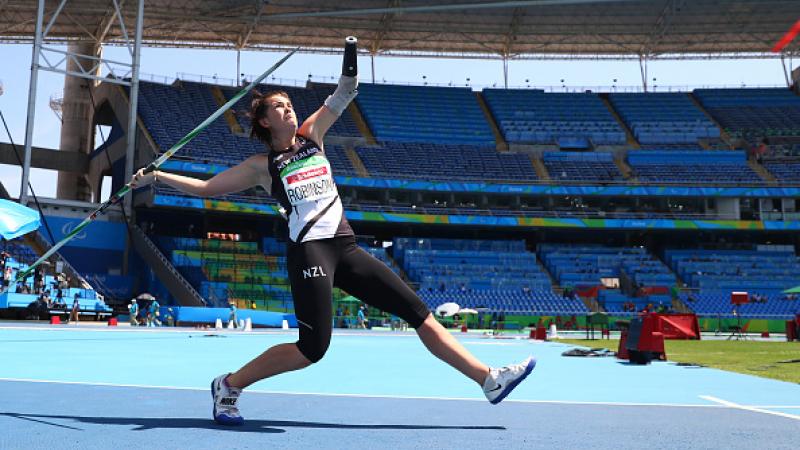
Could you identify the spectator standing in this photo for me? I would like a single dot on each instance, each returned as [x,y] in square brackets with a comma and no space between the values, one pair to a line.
[153,313]
[133,311]
[233,316]
[361,320]
[3,259]
[761,150]
[76,306]
[170,318]
[7,276]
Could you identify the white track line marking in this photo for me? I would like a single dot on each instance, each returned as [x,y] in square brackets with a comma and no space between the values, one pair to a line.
[260,331]
[401,397]
[751,408]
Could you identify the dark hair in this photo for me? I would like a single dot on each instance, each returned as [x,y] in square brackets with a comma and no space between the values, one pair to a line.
[258,110]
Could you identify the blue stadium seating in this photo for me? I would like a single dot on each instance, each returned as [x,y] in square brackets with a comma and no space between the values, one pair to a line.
[585,265]
[785,171]
[614,302]
[753,113]
[305,102]
[718,304]
[663,118]
[717,167]
[424,114]
[570,120]
[717,273]
[21,256]
[242,197]
[444,161]
[506,301]
[583,166]
[169,112]
[19,251]
[762,271]
[497,275]
[380,253]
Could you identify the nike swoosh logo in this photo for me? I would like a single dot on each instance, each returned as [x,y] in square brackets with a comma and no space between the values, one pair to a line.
[499,386]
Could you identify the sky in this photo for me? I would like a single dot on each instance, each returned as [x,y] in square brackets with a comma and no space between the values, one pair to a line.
[162,64]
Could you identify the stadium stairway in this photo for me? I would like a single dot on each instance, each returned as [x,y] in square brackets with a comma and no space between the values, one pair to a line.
[553,281]
[500,143]
[631,140]
[624,168]
[230,117]
[680,307]
[361,124]
[361,169]
[538,166]
[722,134]
[182,290]
[398,268]
[40,245]
[762,172]
[592,304]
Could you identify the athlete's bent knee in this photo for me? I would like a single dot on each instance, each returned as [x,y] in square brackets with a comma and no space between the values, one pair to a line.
[313,350]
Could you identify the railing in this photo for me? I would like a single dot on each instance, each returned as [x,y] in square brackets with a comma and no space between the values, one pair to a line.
[537,182]
[365,78]
[539,213]
[68,269]
[194,297]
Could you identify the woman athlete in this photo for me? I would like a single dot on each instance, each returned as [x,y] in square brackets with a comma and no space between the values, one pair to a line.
[321,248]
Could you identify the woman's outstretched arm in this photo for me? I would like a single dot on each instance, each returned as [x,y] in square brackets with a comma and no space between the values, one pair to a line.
[249,173]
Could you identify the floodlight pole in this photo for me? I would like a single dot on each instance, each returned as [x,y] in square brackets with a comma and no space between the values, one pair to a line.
[37,46]
[505,71]
[134,103]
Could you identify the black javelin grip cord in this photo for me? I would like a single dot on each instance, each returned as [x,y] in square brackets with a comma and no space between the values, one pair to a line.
[349,65]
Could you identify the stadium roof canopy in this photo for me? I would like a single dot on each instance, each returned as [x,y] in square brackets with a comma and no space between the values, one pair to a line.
[459,28]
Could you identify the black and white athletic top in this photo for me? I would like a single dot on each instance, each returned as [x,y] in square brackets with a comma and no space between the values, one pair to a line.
[302,182]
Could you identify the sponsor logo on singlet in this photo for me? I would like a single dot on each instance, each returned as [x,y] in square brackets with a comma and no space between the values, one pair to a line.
[308,180]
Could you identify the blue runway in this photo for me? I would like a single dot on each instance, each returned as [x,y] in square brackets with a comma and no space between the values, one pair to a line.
[87,387]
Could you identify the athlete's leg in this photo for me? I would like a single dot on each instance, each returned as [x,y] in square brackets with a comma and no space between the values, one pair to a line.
[444,346]
[276,360]
[311,267]
[369,279]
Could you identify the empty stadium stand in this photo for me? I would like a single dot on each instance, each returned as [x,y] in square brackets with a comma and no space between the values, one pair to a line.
[663,118]
[762,271]
[717,273]
[444,161]
[706,167]
[753,113]
[568,120]
[718,304]
[785,171]
[495,275]
[586,265]
[424,114]
[187,104]
[582,166]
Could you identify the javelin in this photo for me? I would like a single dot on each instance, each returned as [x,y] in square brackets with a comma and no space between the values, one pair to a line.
[153,166]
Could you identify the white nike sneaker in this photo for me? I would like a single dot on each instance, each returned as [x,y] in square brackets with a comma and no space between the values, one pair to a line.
[225,398]
[501,381]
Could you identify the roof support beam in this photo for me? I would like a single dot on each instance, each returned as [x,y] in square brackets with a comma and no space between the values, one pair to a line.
[384,26]
[440,8]
[245,37]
